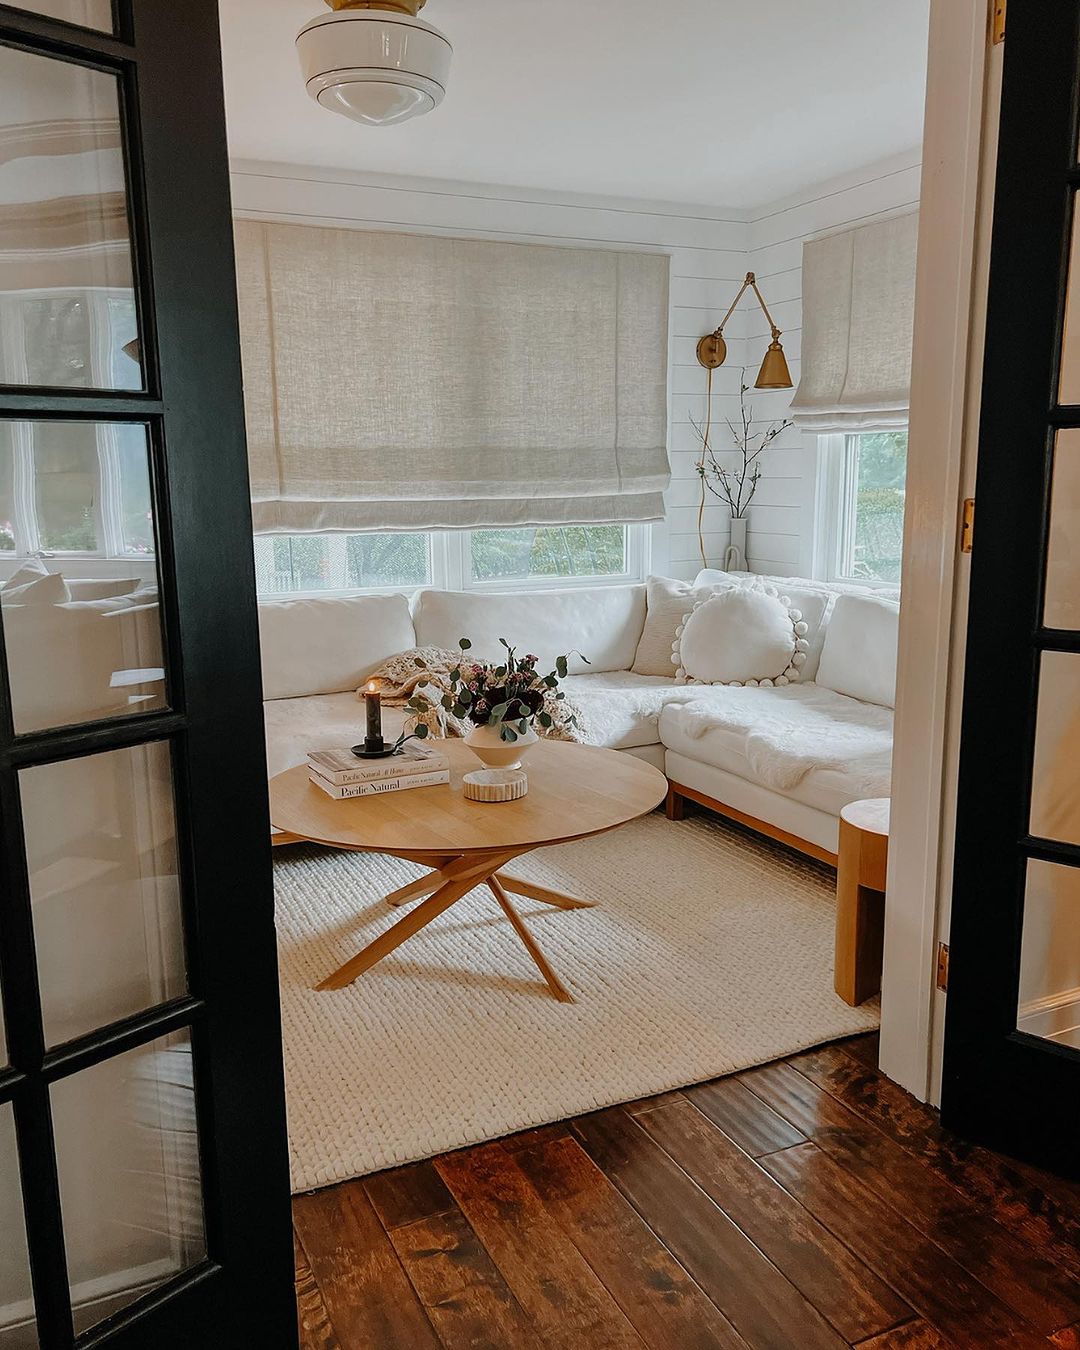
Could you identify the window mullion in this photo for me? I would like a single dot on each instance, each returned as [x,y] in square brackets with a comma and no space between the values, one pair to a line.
[27,540]
[848,501]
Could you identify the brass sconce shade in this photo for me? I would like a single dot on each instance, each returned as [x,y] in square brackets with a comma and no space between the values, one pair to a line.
[774,373]
[712,349]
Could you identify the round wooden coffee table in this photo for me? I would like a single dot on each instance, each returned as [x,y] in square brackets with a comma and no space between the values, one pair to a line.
[574,791]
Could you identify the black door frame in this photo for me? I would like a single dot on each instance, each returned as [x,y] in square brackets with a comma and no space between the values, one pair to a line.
[168,61]
[1001,1086]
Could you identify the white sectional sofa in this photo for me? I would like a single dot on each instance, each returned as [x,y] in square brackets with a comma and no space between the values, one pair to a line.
[783,760]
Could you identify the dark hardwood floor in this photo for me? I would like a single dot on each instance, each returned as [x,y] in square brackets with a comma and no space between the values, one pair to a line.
[806,1205]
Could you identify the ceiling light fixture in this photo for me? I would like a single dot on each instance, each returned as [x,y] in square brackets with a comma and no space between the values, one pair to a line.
[712,349]
[374,61]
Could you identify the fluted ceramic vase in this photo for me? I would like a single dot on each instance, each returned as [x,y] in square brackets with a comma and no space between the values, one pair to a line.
[735,555]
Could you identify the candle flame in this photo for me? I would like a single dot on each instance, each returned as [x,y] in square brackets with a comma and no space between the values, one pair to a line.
[372,687]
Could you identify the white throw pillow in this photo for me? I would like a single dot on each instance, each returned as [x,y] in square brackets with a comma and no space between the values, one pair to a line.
[667,602]
[813,598]
[50,589]
[859,657]
[745,635]
[29,571]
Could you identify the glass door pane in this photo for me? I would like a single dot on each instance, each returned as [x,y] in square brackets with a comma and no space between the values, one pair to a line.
[1049,1004]
[1062,604]
[1069,375]
[18,1329]
[1055,804]
[130,1187]
[78,573]
[86,13]
[104,886]
[67,304]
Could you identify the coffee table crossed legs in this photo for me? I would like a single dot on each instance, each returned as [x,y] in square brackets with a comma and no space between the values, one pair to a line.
[453,878]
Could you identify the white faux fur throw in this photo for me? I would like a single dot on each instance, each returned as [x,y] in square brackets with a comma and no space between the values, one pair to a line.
[793,730]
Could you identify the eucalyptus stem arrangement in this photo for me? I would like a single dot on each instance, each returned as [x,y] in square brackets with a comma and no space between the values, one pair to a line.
[736,486]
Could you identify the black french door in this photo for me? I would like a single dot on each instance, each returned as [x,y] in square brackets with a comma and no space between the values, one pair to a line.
[144,1195]
[1012,1036]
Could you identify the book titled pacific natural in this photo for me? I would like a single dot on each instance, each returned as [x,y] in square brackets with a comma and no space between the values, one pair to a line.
[341,775]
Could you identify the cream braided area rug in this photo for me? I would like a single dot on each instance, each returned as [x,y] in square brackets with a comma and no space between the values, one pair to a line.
[709,951]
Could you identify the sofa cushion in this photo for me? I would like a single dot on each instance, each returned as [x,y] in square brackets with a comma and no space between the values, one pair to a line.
[667,602]
[621,710]
[859,656]
[326,645]
[604,623]
[814,600]
[319,722]
[843,776]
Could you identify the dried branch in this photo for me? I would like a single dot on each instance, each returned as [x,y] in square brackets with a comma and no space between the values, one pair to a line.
[736,487]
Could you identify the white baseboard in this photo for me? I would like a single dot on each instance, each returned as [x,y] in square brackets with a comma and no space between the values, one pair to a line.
[1055,1017]
[14,1316]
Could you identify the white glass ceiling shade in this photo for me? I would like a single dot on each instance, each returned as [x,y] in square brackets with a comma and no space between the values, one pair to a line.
[375,66]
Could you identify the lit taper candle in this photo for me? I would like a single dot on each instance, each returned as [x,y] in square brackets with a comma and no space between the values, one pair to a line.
[373,741]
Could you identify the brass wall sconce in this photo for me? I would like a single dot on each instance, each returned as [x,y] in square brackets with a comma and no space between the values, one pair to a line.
[712,349]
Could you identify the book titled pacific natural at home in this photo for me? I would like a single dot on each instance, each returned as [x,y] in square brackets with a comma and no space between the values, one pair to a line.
[411,780]
[341,767]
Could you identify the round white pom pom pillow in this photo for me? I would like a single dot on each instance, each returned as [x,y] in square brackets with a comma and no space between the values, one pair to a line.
[746,635]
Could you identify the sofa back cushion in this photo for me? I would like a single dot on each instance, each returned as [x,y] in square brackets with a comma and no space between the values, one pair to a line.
[328,645]
[602,622]
[813,600]
[859,656]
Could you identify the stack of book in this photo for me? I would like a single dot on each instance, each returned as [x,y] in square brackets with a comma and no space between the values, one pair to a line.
[341,774]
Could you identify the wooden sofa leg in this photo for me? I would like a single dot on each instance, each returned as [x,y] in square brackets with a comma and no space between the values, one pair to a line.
[675,806]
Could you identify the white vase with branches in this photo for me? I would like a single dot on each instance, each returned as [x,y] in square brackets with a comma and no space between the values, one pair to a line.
[736,485]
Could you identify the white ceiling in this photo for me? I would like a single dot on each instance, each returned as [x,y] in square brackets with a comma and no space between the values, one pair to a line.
[722,102]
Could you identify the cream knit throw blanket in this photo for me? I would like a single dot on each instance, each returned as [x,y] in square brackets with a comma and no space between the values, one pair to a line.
[426,671]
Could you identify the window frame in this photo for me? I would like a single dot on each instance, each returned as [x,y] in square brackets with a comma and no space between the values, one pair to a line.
[450,569]
[835,517]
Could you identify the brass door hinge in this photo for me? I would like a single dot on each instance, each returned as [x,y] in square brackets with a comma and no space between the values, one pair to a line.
[941,977]
[967,525]
[997,21]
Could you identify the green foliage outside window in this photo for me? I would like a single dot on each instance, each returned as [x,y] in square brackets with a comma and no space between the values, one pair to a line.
[564,551]
[879,506]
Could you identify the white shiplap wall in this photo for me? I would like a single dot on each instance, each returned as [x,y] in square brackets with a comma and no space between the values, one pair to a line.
[782,519]
[711,250]
[708,251]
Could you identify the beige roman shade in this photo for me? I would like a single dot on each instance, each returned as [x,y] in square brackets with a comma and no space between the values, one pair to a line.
[858,302]
[408,382]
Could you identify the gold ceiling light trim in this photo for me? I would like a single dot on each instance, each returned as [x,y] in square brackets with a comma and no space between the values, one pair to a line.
[412,7]
[712,349]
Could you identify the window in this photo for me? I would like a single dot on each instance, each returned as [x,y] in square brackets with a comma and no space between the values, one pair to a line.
[543,556]
[862,521]
[548,553]
[73,488]
[341,562]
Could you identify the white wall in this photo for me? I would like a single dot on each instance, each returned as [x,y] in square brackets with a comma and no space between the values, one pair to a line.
[782,519]
[708,260]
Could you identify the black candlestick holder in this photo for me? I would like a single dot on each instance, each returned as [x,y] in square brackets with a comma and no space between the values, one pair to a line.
[374,747]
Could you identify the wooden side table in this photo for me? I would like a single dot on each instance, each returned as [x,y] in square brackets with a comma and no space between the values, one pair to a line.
[860,899]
